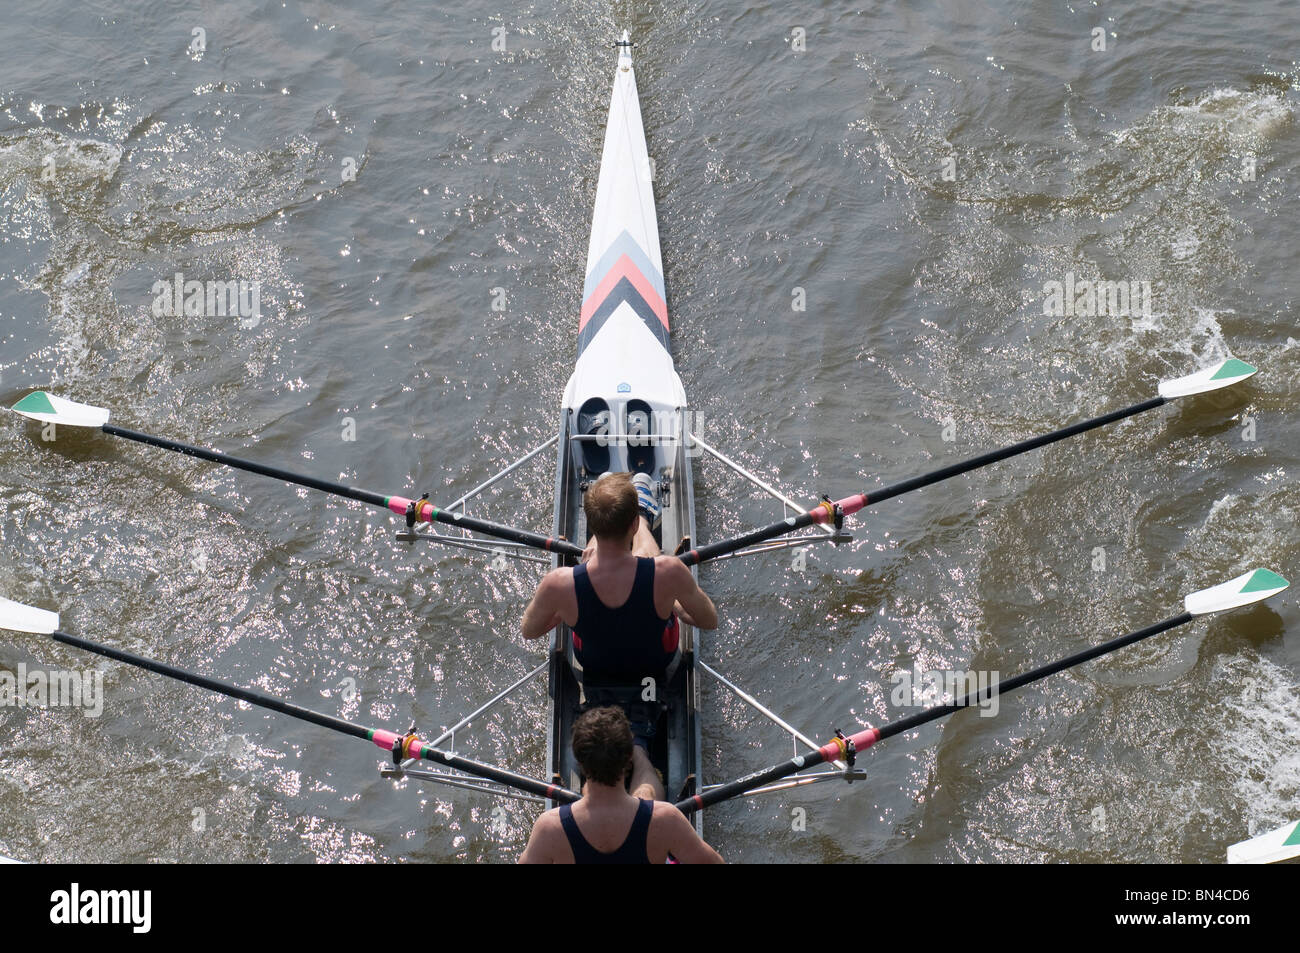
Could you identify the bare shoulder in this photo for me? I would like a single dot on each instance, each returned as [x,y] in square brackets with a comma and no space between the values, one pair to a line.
[672,569]
[674,830]
[548,826]
[669,818]
[557,578]
[544,840]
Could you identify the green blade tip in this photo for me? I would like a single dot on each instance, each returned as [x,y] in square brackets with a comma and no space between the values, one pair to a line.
[1294,838]
[37,402]
[1264,579]
[1234,368]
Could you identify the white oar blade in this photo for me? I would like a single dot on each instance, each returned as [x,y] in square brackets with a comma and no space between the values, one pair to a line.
[1255,586]
[39,405]
[20,618]
[1225,374]
[1281,844]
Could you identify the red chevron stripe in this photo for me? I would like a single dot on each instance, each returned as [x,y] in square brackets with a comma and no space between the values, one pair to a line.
[624,268]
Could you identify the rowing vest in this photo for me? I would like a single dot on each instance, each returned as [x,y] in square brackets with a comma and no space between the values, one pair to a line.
[624,645]
[633,849]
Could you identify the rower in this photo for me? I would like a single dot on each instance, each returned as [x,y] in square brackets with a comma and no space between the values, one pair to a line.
[623,602]
[609,825]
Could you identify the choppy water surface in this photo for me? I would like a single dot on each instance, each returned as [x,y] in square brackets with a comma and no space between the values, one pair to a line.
[126,157]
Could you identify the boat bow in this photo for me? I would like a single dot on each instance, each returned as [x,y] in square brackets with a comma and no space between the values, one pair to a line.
[623,344]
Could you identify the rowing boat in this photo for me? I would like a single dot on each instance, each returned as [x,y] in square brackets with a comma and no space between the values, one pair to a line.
[624,409]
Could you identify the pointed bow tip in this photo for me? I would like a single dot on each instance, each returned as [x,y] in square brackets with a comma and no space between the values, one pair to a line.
[1254,586]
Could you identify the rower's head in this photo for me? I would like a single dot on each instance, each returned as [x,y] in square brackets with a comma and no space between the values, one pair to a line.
[602,745]
[611,507]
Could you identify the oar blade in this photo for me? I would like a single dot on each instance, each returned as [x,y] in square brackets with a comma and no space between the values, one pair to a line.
[17,617]
[1255,586]
[1281,844]
[46,407]
[1224,374]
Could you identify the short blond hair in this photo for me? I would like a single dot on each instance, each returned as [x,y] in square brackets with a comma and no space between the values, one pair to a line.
[610,505]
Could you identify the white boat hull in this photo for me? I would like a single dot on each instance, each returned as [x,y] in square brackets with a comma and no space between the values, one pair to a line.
[625,396]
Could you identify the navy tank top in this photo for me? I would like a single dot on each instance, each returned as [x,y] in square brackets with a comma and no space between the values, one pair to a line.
[633,849]
[623,645]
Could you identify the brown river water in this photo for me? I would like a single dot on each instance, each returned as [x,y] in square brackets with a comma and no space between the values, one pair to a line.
[920,171]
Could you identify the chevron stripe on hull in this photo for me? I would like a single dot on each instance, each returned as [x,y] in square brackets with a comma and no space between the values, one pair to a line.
[624,409]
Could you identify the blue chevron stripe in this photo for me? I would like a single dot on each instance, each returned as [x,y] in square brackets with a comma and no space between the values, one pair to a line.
[625,244]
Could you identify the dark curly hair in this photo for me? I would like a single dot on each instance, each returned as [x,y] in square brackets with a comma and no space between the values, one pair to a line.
[602,743]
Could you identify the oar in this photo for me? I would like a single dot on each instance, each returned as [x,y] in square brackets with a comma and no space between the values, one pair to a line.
[20,618]
[1252,587]
[48,408]
[827,511]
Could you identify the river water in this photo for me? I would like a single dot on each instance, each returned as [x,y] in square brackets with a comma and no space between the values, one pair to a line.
[860,211]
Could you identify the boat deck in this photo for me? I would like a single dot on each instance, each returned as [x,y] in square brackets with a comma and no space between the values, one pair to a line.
[676,751]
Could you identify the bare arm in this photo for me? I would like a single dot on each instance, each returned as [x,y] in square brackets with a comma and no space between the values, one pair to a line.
[697,608]
[539,849]
[542,613]
[683,843]
[685,616]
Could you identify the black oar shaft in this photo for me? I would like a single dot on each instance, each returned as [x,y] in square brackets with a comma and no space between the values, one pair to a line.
[869,737]
[1015,449]
[252,466]
[853,504]
[262,700]
[722,548]
[1034,675]
[214,685]
[487,527]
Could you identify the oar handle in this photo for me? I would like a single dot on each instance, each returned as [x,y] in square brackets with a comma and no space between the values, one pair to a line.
[414,748]
[423,511]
